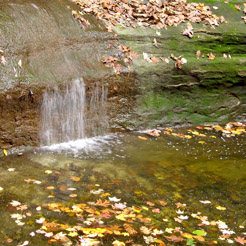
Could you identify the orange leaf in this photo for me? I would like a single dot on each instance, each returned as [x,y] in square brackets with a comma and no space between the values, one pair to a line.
[142,138]
[240,240]
[211,56]
[76,179]
[163,203]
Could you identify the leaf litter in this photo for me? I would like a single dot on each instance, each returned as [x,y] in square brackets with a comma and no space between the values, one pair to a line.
[155,14]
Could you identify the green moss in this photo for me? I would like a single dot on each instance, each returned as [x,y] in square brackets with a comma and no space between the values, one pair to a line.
[195,106]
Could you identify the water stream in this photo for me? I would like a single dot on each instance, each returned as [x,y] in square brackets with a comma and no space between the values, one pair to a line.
[68,115]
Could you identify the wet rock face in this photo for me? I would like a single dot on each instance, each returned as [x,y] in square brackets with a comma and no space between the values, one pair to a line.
[54,49]
[19,117]
[203,90]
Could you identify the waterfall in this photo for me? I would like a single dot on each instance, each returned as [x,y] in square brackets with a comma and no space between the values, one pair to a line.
[70,115]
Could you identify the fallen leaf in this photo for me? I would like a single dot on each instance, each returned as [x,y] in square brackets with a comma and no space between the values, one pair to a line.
[156,44]
[114,199]
[156,210]
[142,138]
[163,203]
[220,208]
[240,240]
[20,63]
[237,7]
[211,56]
[5,152]
[73,195]
[198,54]
[74,178]
[50,187]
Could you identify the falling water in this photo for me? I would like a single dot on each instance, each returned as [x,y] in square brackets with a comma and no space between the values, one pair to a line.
[70,115]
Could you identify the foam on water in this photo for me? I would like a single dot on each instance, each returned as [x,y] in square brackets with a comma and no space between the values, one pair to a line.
[89,146]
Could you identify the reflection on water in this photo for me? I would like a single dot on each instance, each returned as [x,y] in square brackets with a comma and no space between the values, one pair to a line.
[167,168]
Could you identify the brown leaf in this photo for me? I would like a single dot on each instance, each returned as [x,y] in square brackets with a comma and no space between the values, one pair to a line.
[130,229]
[163,203]
[102,204]
[199,238]
[173,57]
[150,203]
[178,64]
[156,44]
[164,59]
[133,54]
[211,56]
[222,19]
[198,54]
[188,32]
[174,238]
[154,59]
[237,7]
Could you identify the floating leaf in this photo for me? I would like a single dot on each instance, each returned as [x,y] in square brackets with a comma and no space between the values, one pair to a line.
[205,202]
[5,152]
[73,234]
[20,63]
[201,142]
[220,208]
[163,203]
[74,178]
[199,233]
[156,210]
[142,138]
[114,199]
[190,241]
[50,187]
[240,240]
[73,195]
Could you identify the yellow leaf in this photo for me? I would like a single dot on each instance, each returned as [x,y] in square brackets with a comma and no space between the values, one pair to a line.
[72,234]
[5,152]
[201,142]
[187,235]
[188,136]
[48,171]
[105,194]
[120,217]
[52,240]
[50,187]
[118,243]
[160,242]
[220,208]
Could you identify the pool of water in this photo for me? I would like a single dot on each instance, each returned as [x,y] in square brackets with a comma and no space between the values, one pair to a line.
[184,187]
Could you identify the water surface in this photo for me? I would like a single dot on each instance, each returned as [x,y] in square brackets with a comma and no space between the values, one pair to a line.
[142,172]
